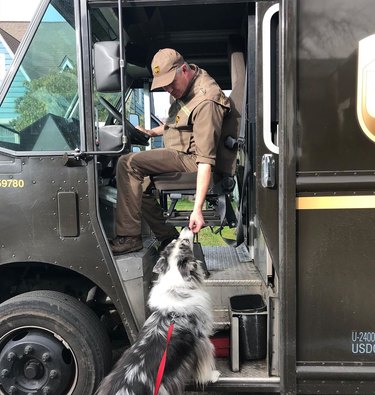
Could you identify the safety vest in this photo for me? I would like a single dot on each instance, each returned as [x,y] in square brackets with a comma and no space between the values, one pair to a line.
[178,133]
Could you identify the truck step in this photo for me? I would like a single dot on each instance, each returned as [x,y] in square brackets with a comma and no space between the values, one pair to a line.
[230,273]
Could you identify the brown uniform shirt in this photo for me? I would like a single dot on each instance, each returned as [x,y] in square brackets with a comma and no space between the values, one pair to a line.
[195,121]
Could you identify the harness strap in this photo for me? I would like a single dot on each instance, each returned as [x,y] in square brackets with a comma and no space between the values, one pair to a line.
[160,374]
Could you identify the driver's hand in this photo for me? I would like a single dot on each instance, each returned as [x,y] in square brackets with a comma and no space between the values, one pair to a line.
[196,221]
[157,131]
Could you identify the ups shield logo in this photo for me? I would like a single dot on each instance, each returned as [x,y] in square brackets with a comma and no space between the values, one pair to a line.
[366,86]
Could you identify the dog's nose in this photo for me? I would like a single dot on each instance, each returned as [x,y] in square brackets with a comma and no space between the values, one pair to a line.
[186,233]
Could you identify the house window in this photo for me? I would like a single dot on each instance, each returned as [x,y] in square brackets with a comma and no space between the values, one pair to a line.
[40,106]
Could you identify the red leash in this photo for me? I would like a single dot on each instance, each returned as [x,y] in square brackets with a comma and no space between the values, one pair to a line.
[160,374]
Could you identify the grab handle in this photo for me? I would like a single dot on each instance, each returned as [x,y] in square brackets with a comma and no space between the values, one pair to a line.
[266,57]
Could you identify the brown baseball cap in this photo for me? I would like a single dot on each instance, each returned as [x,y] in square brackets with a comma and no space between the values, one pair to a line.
[164,66]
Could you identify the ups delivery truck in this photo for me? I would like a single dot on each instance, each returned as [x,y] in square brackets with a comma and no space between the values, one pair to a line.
[293,291]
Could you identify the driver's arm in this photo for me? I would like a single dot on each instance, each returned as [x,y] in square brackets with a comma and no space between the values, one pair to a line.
[158,131]
[196,221]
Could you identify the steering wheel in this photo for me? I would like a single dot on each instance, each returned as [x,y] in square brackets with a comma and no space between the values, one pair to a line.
[136,136]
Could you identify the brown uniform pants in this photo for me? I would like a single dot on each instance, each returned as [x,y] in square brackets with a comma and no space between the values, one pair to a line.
[133,190]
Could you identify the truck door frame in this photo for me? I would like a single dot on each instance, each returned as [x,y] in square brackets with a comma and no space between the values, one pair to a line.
[287,181]
[86,89]
[287,196]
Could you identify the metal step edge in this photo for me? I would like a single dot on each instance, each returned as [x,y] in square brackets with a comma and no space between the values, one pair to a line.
[232,283]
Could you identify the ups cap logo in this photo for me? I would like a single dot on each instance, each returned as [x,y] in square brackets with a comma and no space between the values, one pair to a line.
[156,69]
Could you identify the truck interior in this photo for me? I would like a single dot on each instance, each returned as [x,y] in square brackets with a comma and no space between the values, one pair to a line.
[218,38]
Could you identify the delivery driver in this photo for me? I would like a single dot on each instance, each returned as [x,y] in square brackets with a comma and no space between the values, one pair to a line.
[191,135]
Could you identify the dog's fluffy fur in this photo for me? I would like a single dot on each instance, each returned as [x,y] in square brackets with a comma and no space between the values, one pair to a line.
[190,354]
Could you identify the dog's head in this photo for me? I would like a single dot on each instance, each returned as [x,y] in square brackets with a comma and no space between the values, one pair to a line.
[179,254]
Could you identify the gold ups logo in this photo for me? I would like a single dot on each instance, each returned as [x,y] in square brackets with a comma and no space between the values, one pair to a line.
[366,86]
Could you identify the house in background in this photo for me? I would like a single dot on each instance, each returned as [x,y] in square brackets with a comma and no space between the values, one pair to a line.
[57,58]
[11,34]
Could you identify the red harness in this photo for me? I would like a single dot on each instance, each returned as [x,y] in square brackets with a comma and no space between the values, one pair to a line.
[160,374]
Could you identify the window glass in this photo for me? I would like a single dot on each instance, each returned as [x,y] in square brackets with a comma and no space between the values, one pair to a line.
[104,27]
[40,109]
[135,105]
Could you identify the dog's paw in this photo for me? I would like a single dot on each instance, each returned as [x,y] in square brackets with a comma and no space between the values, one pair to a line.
[215,374]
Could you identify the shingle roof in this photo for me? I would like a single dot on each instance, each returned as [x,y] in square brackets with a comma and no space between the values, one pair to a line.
[10,41]
[15,29]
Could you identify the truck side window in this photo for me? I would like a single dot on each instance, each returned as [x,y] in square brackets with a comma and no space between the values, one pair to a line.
[40,109]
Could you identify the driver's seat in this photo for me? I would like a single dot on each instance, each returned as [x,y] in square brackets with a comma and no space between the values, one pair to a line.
[173,186]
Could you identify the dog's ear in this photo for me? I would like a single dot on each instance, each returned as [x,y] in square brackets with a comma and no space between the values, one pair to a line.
[161,266]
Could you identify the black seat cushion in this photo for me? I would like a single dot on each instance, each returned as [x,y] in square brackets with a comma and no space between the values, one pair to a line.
[183,181]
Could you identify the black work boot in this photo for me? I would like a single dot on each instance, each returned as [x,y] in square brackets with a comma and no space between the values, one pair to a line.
[125,244]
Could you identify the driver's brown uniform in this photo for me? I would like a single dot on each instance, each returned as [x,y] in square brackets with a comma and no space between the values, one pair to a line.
[191,136]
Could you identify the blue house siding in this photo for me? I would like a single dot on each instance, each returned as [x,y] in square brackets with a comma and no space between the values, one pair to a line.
[7,54]
[7,109]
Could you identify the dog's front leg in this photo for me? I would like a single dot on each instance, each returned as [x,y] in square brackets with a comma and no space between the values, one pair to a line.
[206,372]
[215,374]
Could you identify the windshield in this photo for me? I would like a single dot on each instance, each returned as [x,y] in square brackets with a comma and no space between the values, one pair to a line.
[40,109]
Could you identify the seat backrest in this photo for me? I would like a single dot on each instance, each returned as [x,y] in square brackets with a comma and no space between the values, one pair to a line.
[227,150]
